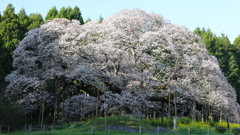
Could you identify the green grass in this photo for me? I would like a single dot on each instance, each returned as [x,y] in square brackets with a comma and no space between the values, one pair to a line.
[132,123]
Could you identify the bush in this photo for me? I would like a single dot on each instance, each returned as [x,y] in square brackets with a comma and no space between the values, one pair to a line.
[213,124]
[236,131]
[185,120]
[11,112]
[159,123]
[221,129]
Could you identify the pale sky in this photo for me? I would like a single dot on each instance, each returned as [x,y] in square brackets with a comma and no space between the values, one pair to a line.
[221,16]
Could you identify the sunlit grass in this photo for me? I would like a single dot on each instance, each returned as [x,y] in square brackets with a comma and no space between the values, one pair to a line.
[124,125]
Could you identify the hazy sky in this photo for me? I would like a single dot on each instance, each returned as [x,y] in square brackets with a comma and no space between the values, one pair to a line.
[221,16]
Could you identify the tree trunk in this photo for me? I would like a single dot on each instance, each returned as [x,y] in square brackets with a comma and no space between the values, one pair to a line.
[169,111]
[162,112]
[147,113]
[193,111]
[43,110]
[175,106]
[97,108]
[105,113]
[202,113]
[220,120]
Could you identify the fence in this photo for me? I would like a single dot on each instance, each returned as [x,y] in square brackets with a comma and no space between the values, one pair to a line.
[91,130]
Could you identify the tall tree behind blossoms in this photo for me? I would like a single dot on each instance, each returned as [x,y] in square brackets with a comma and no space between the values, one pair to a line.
[13,28]
[130,54]
[67,13]
[226,53]
[76,14]
[24,22]
[10,28]
[52,13]
[9,38]
[35,20]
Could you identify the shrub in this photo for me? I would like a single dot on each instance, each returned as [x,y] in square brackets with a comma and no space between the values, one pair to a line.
[221,129]
[236,131]
[213,124]
[185,120]
[159,123]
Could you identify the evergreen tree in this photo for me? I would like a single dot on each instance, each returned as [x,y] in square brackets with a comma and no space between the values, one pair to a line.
[35,21]
[68,11]
[62,13]
[237,41]
[10,28]
[11,113]
[10,35]
[76,14]
[100,19]
[208,38]
[226,53]
[52,13]
[24,22]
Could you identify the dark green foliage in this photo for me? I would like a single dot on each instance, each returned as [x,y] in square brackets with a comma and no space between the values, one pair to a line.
[158,122]
[24,22]
[212,124]
[10,35]
[185,120]
[35,21]
[62,13]
[220,129]
[226,53]
[11,113]
[10,28]
[52,13]
[76,14]
[70,14]
[236,131]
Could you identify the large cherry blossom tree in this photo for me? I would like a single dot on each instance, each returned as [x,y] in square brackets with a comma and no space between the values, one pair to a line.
[134,56]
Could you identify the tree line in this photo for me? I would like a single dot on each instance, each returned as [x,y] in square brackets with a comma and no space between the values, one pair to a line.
[227,54]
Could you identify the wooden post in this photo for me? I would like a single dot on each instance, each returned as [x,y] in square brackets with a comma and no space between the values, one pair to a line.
[43,129]
[108,128]
[140,130]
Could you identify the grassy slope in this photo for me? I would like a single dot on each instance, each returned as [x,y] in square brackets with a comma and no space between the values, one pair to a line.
[82,128]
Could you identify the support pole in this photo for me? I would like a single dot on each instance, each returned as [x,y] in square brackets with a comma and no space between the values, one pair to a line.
[169,111]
